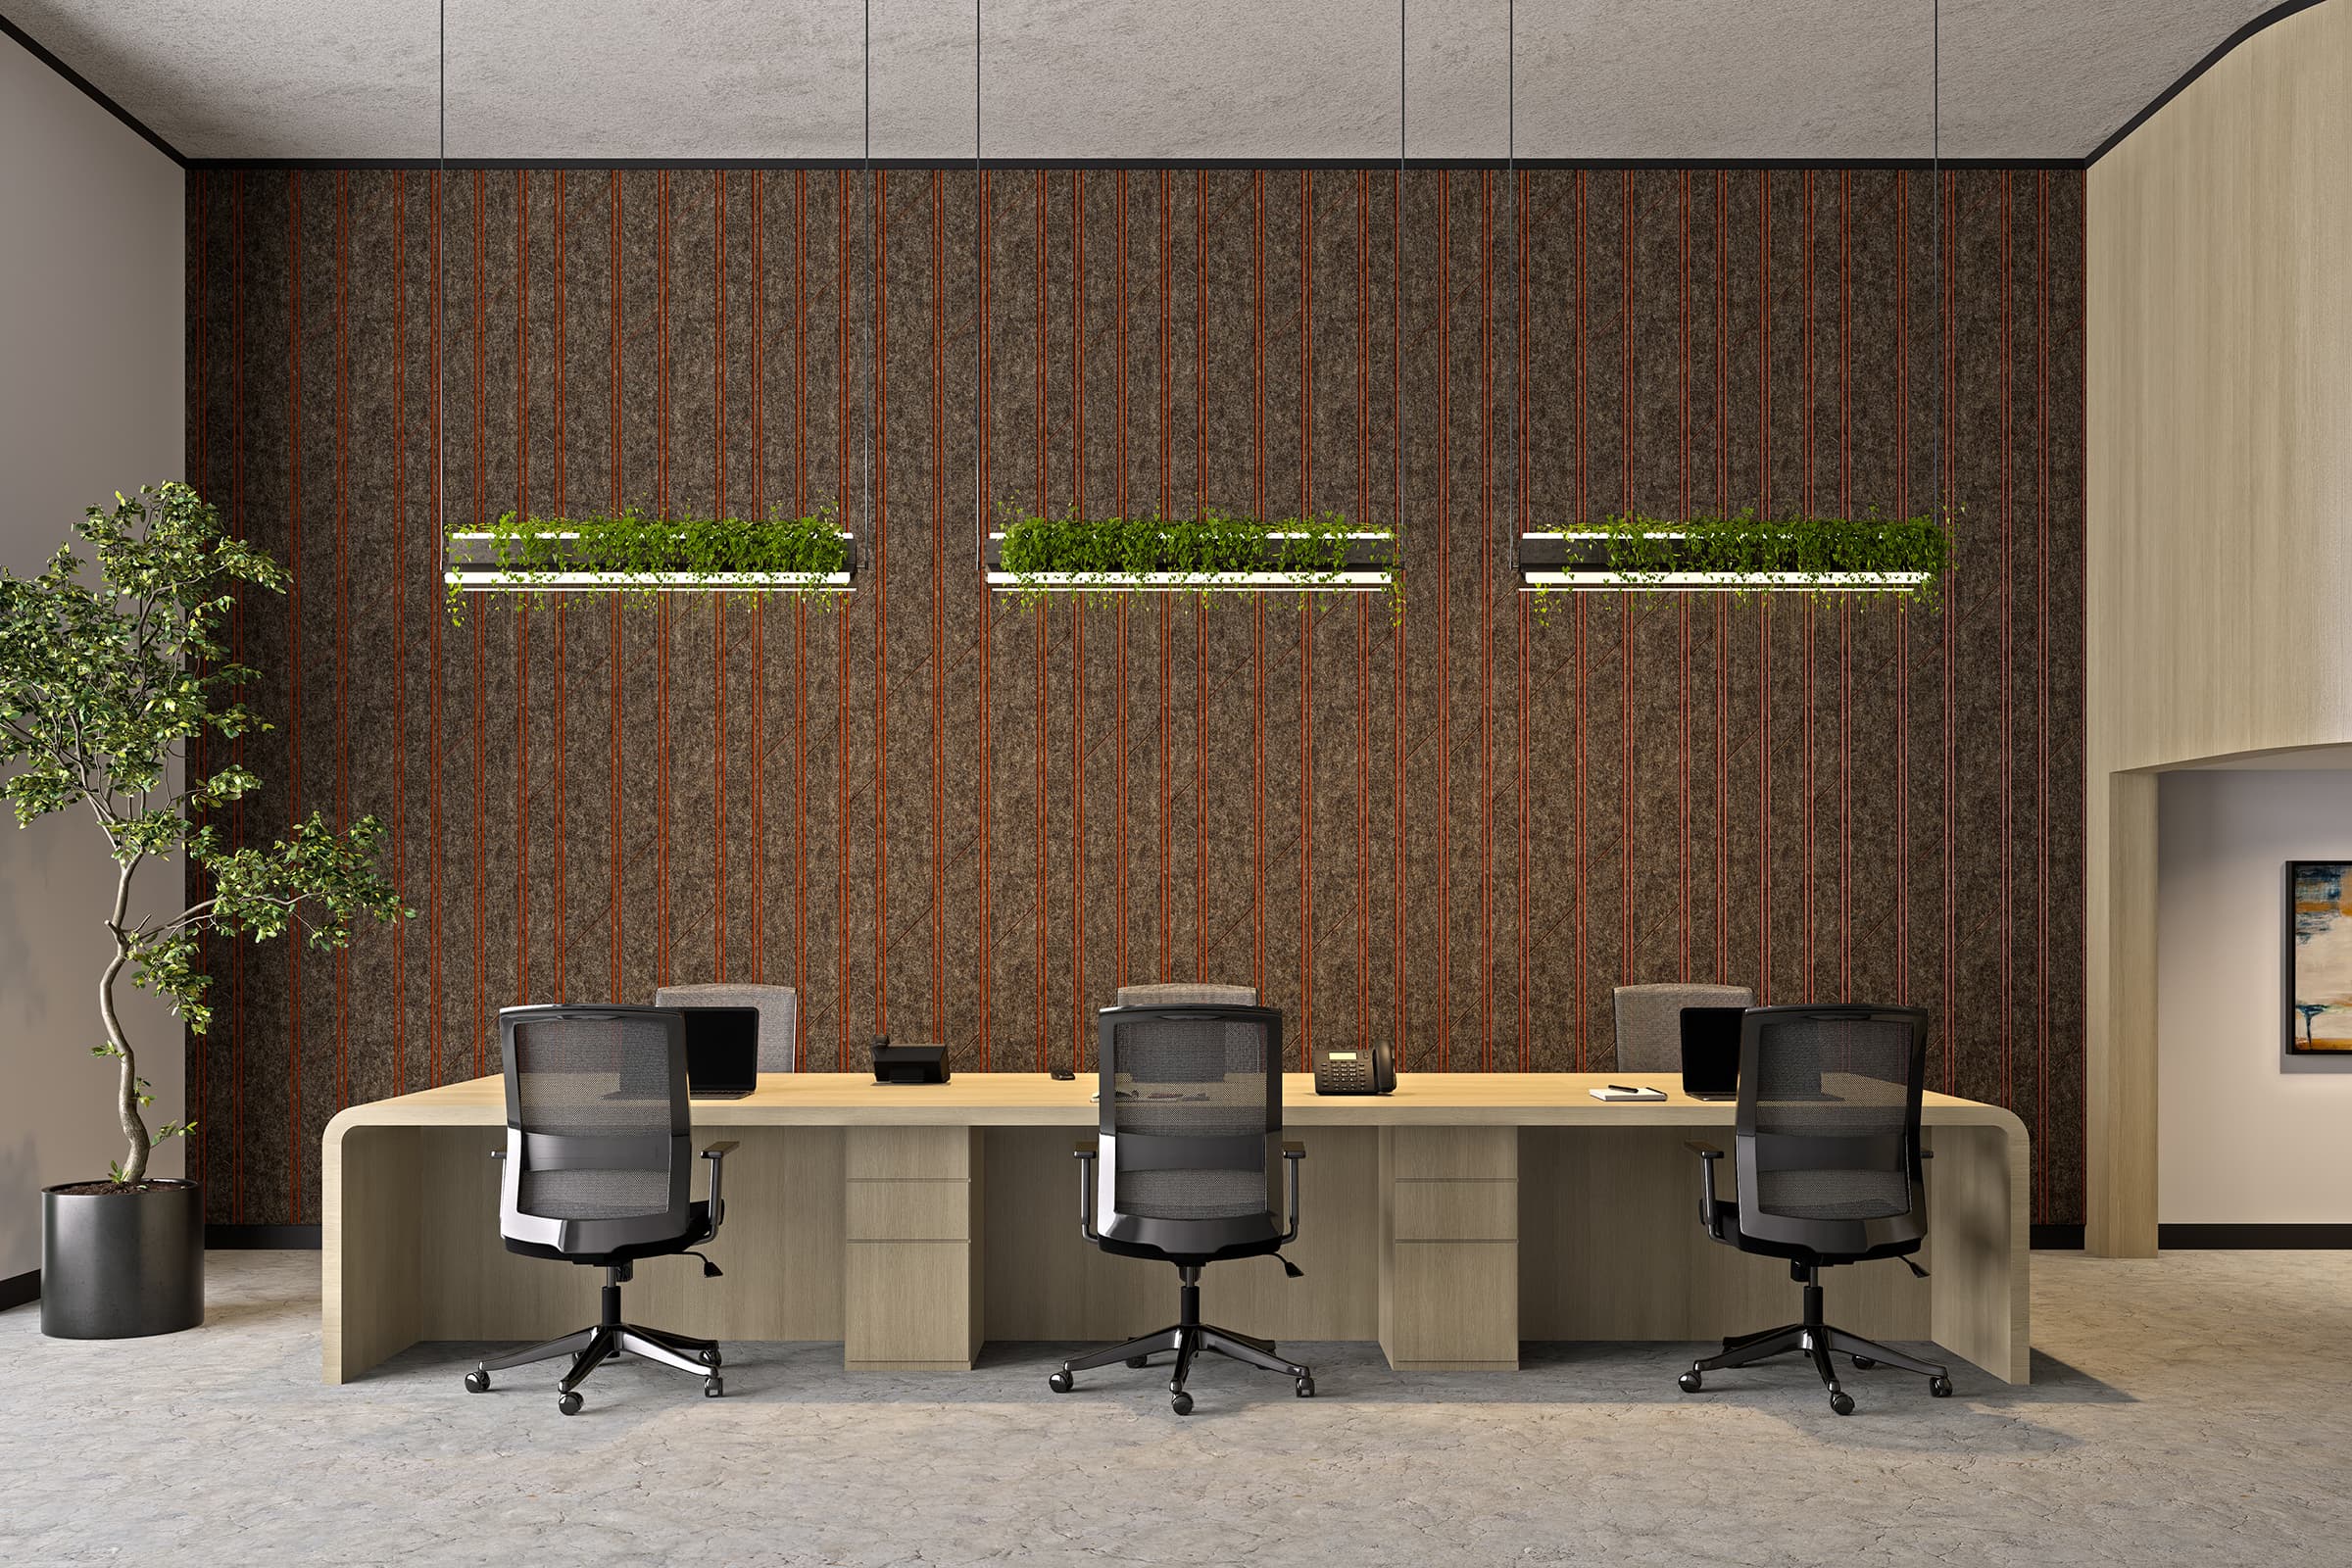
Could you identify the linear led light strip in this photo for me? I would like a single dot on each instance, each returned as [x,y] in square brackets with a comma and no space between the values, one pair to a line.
[487,578]
[1588,581]
[1699,582]
[1344,583]
[1344,580]
[493,581]
[1368,533]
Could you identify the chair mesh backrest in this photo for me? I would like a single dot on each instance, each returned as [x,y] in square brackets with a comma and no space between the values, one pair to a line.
[1835,1108]
[1649,1021]
[778,1007]
[606,1079]
[1192,1078]
[1187,993]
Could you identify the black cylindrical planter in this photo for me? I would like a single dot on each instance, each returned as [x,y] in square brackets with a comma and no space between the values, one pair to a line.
[115,1265]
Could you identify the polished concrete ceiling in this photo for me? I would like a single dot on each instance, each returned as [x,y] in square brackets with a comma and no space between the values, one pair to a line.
[686,80]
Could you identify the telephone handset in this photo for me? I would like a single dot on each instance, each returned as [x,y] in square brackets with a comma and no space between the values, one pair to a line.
[1360,1071]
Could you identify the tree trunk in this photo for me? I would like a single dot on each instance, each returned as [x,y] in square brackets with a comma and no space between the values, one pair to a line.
[127,1095]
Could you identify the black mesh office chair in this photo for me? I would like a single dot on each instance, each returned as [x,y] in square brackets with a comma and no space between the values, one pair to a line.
[599,1167]
[1828,1171]
[1191,1127]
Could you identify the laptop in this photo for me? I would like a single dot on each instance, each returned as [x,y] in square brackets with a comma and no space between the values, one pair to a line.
[722,1052]
[1711,1052]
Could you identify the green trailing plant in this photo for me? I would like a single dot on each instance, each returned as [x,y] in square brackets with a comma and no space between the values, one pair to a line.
[102,688]
[1107,555]
[636,544]
[1817,551]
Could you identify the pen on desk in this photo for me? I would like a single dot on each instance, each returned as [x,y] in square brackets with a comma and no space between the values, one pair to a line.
[1627,1089]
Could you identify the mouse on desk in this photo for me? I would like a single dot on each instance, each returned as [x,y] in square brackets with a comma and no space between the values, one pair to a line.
[1062,1075]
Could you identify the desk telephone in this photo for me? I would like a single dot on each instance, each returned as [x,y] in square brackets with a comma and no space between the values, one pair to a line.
[1363,1070]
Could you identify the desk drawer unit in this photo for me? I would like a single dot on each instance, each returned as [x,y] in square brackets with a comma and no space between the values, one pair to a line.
[1449,1248]
[912,1231]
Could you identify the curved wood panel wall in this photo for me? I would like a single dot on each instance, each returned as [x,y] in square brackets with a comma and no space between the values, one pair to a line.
[2219,471]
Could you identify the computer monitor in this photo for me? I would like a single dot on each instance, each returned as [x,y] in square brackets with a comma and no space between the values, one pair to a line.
[722,1052]
[1711,1052]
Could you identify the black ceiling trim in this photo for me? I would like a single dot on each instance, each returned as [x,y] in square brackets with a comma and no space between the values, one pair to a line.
[1145,164]
[2276,14]
[34,48]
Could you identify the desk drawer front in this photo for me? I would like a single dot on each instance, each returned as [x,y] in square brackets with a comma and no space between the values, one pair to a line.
[1456,1153]
[919,1152]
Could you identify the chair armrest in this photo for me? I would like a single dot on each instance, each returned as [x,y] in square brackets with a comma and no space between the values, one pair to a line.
[1707,1155]
[1086,1151]
[1291,1153]
[718,1155]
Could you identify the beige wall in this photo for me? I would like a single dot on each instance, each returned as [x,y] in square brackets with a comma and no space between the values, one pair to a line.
[2247,1133]
[2219,477]
[91,396]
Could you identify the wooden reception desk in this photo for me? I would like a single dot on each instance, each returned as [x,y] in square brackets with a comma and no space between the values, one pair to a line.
[1451,1220]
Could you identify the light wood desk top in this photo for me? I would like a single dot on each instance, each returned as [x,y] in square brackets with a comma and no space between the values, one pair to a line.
[1035,1100]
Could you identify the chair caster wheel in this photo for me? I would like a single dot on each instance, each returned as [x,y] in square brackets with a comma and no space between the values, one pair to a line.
[1692,1382]
[1139,1362]
[1842,1401]
[1941,1388]
[477,1383]
[709,1358]
[570,1404]
[715,1388]
[1306,1388]
[1181,1403]
[1062,1383]
[1863,1363]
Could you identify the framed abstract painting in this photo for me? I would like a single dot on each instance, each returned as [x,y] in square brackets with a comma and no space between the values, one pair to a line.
[2319,959]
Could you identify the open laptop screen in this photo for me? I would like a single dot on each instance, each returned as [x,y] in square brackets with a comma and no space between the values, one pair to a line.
[1711,1051]
[722,1052]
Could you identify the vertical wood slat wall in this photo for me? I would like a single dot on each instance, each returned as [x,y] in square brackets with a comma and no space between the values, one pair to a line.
[942,815]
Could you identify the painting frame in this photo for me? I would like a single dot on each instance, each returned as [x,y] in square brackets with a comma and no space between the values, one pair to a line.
[2317,903]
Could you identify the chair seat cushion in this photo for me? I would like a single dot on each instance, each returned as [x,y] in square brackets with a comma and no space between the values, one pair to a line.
[1726,1231]
[1188,1245]
[1834,1194]
[699,1230]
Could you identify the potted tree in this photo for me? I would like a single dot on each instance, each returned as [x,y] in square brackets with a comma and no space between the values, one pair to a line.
[100,689]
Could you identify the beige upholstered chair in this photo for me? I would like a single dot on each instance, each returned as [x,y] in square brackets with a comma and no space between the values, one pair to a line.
[1188,994]
[1649,1021]
[779,1014]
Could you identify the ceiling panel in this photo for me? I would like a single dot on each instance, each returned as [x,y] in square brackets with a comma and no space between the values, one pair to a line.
[685,79]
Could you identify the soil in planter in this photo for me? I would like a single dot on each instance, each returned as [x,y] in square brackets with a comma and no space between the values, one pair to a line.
[88,1189]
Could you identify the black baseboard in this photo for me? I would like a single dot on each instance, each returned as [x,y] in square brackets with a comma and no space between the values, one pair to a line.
[273,1238]
[2057,1237]
[2282,1236]
[19,1289]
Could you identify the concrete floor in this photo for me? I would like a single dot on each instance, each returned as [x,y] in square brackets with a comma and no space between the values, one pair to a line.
[2191,1409]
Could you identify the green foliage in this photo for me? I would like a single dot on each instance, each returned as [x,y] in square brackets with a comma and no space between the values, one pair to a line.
[633,544]
[1106,554]
[1817,551]
[101,690]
